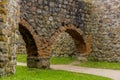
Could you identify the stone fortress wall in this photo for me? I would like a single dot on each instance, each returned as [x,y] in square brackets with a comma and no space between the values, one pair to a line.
[91,28]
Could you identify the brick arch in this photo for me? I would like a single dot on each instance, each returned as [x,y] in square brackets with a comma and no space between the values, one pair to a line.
[36,58]
[29,40]
[33,36]
[81,40]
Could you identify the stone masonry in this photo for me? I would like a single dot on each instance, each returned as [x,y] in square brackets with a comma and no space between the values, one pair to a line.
[41,21]
[106,30]
[91,28]
[9,19]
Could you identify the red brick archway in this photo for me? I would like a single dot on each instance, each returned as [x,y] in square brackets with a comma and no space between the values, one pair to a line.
[24,25]
[36,57]
[29,40]
[78,39]
[82,41]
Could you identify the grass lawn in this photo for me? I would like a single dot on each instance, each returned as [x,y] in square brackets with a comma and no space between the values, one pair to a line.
[67,60]
[105,65]
[53,60]
[24,73]
[22,58]
[62,60]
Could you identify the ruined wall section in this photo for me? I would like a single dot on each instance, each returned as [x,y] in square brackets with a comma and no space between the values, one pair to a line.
[47,16]
[9,16]
[106,30]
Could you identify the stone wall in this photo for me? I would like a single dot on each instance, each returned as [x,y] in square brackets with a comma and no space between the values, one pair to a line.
[97,19]
[43,20]
[20,48]
[92,24]
[47,17]
[106,30]
[9,16]
[67,48]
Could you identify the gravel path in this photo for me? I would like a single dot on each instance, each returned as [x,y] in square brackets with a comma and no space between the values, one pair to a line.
[114,74]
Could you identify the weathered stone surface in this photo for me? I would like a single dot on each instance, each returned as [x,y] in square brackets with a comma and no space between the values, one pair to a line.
[92,24]
[38,62]
[97,17]
[105,31]
[42,20]
[9,17]
[64,45]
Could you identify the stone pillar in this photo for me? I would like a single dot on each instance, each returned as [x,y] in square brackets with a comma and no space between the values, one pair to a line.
[38,62]
[3,39]
[9,14]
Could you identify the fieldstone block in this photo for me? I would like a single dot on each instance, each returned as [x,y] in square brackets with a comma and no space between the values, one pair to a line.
[38,62]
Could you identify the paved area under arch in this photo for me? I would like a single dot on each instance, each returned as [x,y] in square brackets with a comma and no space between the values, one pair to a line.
[114,74]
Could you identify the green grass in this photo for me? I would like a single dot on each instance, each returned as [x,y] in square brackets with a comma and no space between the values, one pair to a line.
[67,60]
[53,60]
[62,60]
[24,73]
[22,58]
[104,65]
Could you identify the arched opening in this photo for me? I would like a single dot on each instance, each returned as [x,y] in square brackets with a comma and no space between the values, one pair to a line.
[35,56]
[70,42]
[78,39]
[29,40]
